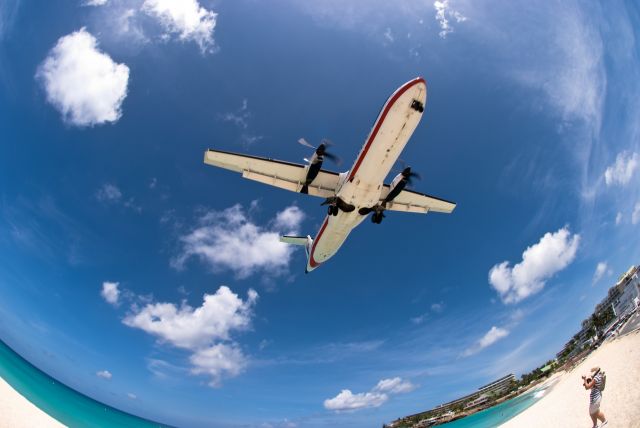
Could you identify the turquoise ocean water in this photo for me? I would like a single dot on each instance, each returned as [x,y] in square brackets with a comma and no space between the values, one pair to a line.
[77,410]
[58,400]
[497,415]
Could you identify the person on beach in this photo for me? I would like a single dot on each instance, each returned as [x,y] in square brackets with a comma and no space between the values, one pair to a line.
[594,383]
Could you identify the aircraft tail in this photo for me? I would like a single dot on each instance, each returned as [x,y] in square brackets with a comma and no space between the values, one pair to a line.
[305,241]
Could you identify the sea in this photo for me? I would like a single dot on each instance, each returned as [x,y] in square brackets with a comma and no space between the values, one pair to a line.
[494,416]
[77,410]
[68,406]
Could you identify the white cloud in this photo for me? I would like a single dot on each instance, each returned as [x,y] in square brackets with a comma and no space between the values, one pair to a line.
[186,18]
[554,252]
[104,374]
[635,216]
[95,2]
[110,292]
[394,386]
[83,83]
[240,119]
[132,395]
[229,239]
[206,330]
[389,35]
[195,328]
[618,218]
[218,359]
[622,169]
[444,12]
[419,319]
[491,337]
[601,269]
[289,219]
[109,193]
[437,307]
[348,401]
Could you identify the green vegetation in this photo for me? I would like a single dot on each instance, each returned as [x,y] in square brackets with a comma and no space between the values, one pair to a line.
[537,373]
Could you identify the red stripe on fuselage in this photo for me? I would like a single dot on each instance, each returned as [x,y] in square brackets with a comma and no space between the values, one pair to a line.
[378,124]
[312,261]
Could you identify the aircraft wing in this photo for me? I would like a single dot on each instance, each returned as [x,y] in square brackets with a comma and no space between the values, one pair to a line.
[414,202]
[286,175]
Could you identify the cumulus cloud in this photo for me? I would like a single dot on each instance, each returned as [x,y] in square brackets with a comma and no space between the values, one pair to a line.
[104,374]
[541,261]
[490,337]
[348,401]
[205,330]
[186,18]
[601,269]
[217,359]
[444,12]
[229,239]
[618,218]
[622,170]
[82,82]
[110,292]
[635,215]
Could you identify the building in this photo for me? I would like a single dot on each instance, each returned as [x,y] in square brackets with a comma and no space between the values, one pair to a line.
[479,397]
[499,386]
[628,292]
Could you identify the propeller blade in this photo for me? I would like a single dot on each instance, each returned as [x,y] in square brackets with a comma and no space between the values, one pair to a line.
[305,143]
[333,158]
[327,142]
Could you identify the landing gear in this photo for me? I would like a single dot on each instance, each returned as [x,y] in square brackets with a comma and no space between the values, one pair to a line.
[377,217]
[417,106]
[332,210]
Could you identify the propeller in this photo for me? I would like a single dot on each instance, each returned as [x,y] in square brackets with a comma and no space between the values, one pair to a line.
[321,150]
[405,170]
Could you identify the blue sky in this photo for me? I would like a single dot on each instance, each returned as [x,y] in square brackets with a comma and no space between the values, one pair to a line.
[145,279]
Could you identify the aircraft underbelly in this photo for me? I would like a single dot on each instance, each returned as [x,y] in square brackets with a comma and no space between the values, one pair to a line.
[375,161]
[334,234]
[363,187]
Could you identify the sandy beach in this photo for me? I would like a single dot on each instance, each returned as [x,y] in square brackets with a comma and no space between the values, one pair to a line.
[566,403]
[18,412]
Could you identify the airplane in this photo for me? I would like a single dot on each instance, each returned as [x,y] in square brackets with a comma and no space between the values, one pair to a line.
[352,195]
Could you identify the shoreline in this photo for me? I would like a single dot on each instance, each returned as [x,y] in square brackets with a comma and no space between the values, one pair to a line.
[18,412]
[565,403]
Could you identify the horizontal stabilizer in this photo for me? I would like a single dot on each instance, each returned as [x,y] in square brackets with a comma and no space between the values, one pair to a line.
[294,240]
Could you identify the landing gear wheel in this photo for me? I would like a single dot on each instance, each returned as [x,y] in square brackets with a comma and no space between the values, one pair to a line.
[417,106]
[376,218]
[334,210]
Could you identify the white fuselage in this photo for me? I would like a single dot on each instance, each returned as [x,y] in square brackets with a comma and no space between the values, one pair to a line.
[362,185]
